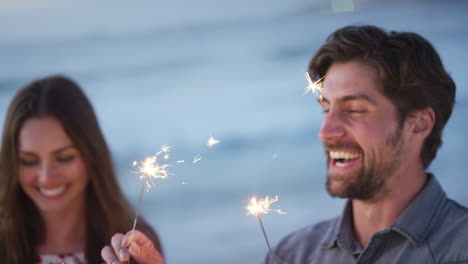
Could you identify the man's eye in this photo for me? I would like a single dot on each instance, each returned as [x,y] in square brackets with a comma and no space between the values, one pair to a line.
[356,111]
[27,162]
[66,159]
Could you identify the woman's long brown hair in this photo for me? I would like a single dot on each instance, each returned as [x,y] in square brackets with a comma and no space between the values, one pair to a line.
[107,210]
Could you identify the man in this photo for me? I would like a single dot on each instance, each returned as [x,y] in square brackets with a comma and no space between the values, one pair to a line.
[386,98]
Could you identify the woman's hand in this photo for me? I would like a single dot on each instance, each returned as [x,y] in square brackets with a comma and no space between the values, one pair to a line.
[138,246]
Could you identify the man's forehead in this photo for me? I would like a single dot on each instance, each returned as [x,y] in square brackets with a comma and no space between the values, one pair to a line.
[349,78]
[347,90]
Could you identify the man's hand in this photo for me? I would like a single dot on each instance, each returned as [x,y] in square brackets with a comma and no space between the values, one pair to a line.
[138,246]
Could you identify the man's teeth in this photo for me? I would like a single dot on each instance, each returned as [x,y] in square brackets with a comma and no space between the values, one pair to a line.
[53,192]
[343,155]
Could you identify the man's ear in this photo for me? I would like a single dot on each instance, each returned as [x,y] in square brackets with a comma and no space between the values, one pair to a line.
[422,122]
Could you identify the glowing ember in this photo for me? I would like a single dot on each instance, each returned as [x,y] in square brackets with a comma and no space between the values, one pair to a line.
[315,87]
[212,141]
[164,149]
[180,161]
[262,206]
[149,168]
[197,158]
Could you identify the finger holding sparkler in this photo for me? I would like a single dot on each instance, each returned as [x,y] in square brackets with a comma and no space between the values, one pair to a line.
[314,87]
[262,206]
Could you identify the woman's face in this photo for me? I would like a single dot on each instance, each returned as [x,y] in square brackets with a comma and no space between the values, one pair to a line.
[51,169]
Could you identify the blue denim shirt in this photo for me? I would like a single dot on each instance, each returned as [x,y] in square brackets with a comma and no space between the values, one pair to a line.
[433,229]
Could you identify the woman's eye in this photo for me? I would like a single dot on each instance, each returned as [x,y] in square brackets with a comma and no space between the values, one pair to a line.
[27,162]
[65,159]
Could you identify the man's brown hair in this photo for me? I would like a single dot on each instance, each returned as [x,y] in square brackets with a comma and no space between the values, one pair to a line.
[409,67]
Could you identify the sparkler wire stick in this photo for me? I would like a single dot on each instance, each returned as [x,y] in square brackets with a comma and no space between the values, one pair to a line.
[140,200]
[266,237]
[137,212]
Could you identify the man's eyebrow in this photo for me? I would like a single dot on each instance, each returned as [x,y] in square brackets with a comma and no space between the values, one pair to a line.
[358,97]
[323,100]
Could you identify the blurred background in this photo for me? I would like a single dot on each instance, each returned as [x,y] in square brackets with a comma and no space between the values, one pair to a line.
[177,72]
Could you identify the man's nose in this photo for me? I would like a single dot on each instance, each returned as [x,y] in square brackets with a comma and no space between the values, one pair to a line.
[332,127]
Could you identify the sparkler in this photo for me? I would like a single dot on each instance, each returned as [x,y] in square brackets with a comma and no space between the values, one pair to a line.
[314,87]
[150,169]
[262,206]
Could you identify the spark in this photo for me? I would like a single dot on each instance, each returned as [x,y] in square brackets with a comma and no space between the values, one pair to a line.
[164,149]
[315,87]
[184,182]
[212,141]
[151,169]
[262,206]
[180,161]
[197,158]
[166,157]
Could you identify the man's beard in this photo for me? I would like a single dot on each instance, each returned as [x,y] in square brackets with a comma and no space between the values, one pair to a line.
[371,179]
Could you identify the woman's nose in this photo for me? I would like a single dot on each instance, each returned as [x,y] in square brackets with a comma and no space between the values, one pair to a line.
[47,174]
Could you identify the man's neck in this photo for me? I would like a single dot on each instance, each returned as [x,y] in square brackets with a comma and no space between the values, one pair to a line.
[370,217]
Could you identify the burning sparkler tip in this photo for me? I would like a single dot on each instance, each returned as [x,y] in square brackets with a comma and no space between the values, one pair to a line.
[262,206]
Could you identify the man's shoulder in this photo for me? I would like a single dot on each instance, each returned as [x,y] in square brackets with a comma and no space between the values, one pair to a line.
[304,242]
[448,239]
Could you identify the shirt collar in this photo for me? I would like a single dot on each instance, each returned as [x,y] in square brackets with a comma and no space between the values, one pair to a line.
[415,222]
[341,231]
[418,219]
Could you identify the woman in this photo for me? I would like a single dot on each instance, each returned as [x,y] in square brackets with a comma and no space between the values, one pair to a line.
[59,198]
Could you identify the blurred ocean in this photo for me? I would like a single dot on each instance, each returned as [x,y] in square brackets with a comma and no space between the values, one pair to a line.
[176,72]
